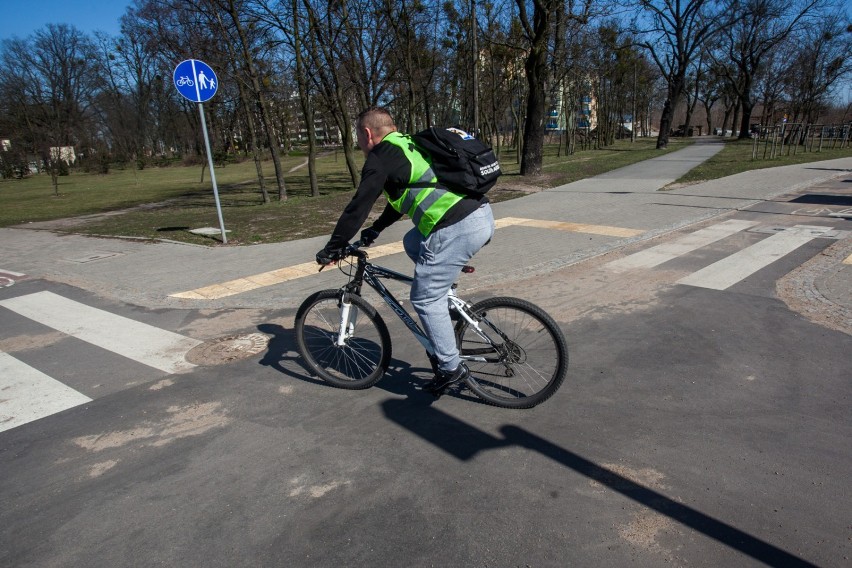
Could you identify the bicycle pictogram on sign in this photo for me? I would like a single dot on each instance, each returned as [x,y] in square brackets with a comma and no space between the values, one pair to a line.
[195,80]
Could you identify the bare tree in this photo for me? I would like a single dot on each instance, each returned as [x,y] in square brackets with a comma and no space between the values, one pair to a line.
[325,42]
[710,91]
[413,60]
[760,26]
[676,32]
[52,79]
[235,9]
[538,30]
[501,46]
[822,59]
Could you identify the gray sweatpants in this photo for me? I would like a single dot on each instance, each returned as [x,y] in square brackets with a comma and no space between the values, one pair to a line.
[438,260]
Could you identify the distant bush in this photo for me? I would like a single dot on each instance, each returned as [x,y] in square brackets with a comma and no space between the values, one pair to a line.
[193,160]
[164,161]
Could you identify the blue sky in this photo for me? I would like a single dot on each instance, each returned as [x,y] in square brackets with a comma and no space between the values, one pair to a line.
[22,17]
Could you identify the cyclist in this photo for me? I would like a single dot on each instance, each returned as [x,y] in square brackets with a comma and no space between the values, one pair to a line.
[449,228]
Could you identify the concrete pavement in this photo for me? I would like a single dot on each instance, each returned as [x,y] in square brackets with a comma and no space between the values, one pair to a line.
[538,234]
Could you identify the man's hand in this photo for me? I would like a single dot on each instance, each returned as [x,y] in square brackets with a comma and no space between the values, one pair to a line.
[368,236]
[326,257]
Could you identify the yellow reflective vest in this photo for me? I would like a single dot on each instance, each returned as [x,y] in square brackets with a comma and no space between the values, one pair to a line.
[422,200]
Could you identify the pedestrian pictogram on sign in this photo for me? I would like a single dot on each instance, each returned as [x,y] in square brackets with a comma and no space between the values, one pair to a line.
[195,80]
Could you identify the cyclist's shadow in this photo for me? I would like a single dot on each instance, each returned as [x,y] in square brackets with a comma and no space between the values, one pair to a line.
[402,378]
[281,350]
[408,380]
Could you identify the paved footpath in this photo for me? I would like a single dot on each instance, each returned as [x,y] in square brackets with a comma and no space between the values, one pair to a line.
[537,234]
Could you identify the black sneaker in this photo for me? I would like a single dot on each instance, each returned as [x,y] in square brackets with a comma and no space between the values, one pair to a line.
[444,379]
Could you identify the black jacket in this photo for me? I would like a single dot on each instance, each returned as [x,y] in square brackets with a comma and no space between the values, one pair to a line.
[386,169]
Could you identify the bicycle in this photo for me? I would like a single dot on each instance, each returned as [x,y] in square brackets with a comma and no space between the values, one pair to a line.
[516,353]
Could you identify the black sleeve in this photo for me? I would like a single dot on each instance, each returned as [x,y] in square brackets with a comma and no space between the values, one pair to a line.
[388,217]
[383,161]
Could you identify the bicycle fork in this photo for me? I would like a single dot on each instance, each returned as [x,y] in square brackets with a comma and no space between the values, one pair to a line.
[348,317]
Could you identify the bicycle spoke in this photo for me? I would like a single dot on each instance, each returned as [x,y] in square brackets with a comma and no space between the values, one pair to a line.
[365,353]
[524,364]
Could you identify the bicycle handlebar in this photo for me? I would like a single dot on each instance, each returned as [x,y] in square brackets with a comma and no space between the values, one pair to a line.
[348,250]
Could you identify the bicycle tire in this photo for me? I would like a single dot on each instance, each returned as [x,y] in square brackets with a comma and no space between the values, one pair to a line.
[357,365]
[532,360]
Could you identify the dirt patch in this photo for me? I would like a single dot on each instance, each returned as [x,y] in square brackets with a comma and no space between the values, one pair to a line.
[590,290]
[181,422]
[642,531]
[29,342]
[299,487]
[645,526]
[524,184]
[72,222]
[680,185]
[624,477]
[210,324]
[99,469]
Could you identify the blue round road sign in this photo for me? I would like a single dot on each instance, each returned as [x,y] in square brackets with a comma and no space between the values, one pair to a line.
[195,80]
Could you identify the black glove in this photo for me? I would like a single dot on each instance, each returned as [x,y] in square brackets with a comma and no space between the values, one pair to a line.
[326,257]
[368,236]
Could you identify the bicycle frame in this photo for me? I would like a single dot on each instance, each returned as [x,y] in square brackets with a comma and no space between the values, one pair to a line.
[373,275]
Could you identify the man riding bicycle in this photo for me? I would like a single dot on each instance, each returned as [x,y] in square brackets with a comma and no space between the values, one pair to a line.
[449,228]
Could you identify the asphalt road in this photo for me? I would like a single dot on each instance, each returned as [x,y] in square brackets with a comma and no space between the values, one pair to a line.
[697,427]
[701,424]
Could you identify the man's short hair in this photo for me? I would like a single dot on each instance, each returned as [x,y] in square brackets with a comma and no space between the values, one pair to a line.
[376,118]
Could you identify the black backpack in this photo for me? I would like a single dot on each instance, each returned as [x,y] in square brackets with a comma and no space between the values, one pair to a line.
[460,162]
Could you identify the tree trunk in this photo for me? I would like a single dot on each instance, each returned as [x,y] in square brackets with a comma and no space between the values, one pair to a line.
[250,124]
[675,91]
[745,123]
[262,105]
[665,124]
[533,152]
[306,103]
[736,117]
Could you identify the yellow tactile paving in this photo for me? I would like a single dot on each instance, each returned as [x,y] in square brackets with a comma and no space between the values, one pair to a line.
[248,283]
[233,287]
[848,260]
[571,227]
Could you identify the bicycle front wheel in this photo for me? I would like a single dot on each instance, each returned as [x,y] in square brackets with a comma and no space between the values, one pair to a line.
[366,351]
[524,362]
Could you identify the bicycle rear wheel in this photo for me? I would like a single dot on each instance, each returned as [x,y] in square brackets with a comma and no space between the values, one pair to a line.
[529,357]
[366,353]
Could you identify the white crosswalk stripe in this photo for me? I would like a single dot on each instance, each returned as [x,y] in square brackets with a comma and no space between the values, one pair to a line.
[141,342]
[27,394]
[730,270]
[659,254]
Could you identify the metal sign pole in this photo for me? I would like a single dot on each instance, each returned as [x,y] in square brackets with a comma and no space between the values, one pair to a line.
[197,82]
[212,173]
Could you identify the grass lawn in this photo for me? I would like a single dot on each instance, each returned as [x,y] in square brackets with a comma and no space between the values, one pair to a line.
[736,157]
[165,203]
